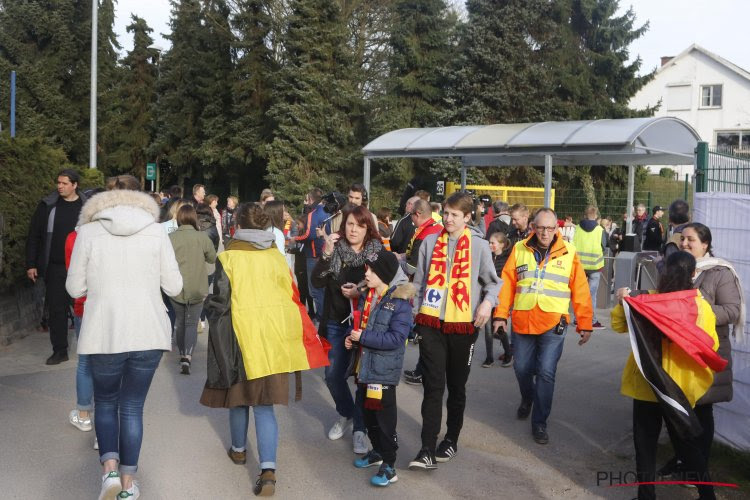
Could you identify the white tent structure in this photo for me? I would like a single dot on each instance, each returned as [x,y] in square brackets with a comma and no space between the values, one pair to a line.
[629,141]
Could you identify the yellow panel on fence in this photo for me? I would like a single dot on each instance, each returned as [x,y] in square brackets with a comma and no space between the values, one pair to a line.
[532,197]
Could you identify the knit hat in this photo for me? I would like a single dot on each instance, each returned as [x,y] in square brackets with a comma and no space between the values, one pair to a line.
[384,264]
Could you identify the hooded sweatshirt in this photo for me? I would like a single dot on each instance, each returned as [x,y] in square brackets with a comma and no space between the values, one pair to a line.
[589,225]
[121,260]
[482,270]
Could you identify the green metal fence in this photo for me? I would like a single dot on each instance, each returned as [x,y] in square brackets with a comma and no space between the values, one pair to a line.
[612,203]
[724,170]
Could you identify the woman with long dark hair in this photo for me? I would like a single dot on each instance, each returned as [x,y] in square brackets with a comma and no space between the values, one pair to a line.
[720,286]
[692,378]
[339,270]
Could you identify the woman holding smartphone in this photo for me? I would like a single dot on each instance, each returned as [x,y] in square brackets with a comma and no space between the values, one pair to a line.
[340,268]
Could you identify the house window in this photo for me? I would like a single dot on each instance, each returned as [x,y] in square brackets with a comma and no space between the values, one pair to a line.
[678,97]
[711,96]
[733,140]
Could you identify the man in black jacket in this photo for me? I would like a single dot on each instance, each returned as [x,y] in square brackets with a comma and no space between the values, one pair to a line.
[653,238]
[404,229]
[55,217]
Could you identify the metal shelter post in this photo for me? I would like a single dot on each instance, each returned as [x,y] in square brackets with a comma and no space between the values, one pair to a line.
[547,180]
[366,180]
[629,207]
[463,175]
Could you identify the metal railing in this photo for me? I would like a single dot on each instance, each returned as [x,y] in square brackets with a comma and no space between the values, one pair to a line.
[725,170]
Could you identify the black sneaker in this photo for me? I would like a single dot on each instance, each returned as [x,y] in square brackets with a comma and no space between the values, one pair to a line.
[540,434]
[487,363]
[57,358]
[506,361]
[185,366]
[671,468]
[524,410]
[446,450]
[413,378]
[425,460]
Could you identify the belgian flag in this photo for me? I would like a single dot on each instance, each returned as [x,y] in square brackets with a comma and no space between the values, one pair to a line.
[651,318]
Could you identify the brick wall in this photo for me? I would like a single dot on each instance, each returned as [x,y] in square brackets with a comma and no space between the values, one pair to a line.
[18,314]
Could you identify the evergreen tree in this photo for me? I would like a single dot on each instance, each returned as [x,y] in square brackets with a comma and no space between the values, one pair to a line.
[313,142]
[420,49]
[252,90]
[131,131]
[48,44]
[194,104]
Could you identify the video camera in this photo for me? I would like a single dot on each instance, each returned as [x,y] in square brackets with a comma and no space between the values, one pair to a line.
[332,203]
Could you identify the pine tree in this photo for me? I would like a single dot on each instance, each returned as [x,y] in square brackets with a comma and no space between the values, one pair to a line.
[253,90]
[194,107]
[420,49]
[48,44]
[131,129]
[313,142]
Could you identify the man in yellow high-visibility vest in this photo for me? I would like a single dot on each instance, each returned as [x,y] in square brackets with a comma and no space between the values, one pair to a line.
[590,241]
[541,279]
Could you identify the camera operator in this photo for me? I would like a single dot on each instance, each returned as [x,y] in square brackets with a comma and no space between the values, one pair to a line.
[339,270]
[312,241]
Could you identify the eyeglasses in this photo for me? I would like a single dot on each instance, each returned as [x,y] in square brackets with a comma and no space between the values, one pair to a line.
[545,229]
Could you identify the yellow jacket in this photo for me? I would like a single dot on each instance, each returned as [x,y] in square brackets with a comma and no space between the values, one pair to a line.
[693,379]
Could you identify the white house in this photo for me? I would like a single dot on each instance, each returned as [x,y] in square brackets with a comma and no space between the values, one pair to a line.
[707,91]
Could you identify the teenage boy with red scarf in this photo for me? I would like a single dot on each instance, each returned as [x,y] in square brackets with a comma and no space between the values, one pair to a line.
[451,306]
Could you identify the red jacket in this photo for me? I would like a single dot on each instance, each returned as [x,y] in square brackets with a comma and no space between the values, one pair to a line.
[69,242]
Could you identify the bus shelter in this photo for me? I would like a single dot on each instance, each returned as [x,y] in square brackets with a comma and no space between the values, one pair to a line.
[608,142]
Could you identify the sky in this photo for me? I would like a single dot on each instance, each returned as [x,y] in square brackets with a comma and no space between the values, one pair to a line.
[674,25]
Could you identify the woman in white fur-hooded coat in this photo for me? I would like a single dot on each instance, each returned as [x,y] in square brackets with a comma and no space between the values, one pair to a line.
[121,259]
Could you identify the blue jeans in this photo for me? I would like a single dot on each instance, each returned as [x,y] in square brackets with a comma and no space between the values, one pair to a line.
[121,383]
[593,280]
[316,293]
[266,432]
[336,380]
[536,356]
[84,382]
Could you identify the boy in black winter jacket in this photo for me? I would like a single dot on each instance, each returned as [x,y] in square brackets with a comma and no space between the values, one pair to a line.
[385,323]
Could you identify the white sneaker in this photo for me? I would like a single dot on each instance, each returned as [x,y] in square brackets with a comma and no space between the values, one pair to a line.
[133,493]
[111,486]
[338,429]
[83,424]
[96,443]
[359,442]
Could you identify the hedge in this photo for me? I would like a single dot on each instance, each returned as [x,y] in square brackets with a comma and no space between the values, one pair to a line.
[28,167]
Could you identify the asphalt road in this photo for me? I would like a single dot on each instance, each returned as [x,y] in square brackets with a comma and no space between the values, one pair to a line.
[184,446]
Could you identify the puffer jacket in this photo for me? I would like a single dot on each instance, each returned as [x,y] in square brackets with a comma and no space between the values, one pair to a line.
[384,340]
[718,287]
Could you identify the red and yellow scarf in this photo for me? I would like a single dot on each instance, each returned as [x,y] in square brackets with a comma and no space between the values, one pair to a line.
[458,314]
[426,229]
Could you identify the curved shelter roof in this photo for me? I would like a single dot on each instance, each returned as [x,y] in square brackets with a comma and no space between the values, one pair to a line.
[629,141]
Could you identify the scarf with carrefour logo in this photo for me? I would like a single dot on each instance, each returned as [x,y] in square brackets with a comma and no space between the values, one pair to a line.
[455,287]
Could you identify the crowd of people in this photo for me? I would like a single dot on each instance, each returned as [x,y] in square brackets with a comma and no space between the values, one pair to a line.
[344,289]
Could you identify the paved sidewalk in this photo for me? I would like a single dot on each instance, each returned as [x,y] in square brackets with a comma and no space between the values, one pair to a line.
[184,447]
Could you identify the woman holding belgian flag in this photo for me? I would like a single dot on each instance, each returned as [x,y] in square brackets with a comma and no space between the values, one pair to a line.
[672,365]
